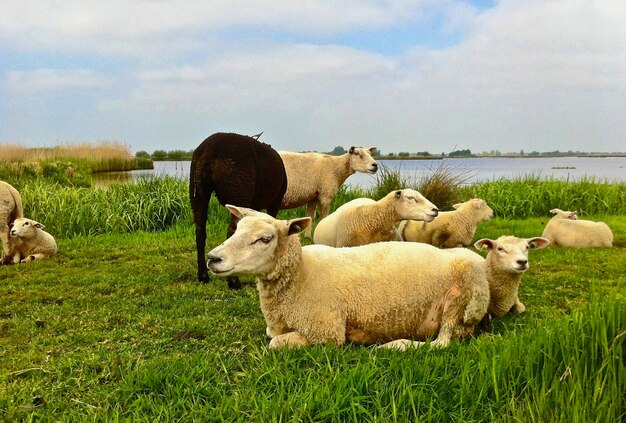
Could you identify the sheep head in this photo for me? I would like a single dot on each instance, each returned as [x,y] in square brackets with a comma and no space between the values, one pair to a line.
[24,228]
[361,159]
[251,250]
[509,253]
[411,205]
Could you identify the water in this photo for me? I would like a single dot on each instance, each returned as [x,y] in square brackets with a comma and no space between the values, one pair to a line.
[612,169]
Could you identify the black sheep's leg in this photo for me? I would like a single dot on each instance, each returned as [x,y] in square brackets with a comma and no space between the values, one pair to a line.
[200,215]
[233,281]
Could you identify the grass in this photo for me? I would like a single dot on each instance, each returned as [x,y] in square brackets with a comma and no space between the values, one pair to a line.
[116,327]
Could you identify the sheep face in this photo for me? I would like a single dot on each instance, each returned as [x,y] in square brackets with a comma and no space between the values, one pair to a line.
[479,207]
[410,204]
[361,159]
[510,253]
[560,214]
[251,250]
[24,228]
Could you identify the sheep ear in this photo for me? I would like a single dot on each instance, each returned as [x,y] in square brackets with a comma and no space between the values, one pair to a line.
[398,194]
[457,205]
[298,225]
[372,149]
[240,212]
[38,225]
[555,211]
[481,243]
[351,151]
[537,242]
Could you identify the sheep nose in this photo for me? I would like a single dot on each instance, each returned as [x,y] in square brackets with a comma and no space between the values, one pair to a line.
[435,211]
[375,166]
[522,263]
[213,259]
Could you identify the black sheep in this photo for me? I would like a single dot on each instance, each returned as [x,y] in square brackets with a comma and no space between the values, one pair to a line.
[241,171]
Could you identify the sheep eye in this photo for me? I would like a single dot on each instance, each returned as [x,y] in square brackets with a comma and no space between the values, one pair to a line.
[410,197]
[264,239]
[501,250]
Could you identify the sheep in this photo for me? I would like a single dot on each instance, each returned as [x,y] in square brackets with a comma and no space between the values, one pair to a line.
[364,221]
[506,262]
[314,179]
[450,229]
[32,242]
[10,209]
[238,169]
[566,230]
[373,293]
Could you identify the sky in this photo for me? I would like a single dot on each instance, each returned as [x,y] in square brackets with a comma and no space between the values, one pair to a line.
[404,76]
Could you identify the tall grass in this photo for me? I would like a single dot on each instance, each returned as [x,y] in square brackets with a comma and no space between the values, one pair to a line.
[148,205]
[532,195]
[69,165]
[442,185]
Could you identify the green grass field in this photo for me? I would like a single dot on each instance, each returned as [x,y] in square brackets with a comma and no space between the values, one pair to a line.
[115,328]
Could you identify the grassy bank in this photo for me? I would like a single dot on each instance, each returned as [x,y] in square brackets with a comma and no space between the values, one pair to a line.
[116,328]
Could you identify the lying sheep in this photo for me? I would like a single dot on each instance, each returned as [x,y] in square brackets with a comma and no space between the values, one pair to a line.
[31,242]
[505,264]
[566,230]
[10,209]
[450,229]
[365,221]
[373,293]
[314,179]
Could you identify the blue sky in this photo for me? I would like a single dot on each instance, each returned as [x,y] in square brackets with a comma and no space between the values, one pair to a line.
[407,75]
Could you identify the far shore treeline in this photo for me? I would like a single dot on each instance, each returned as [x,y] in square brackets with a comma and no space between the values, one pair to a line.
[182,155]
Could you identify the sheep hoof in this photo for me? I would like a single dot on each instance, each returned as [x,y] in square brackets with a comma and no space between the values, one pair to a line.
[401,344]
[233,282]
[518,308]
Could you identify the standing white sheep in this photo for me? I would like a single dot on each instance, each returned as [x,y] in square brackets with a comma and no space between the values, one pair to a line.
[566,230]
[10,209]
[369,294]
[505,264]
[314,179]
[30,241]
[365,221]
[450,229]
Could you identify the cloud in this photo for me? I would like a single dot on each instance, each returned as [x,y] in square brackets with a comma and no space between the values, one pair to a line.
[524,74]
[43,81]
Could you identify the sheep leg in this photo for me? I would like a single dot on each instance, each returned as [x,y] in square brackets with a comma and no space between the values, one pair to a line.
[33,257]
[233,281]
[401,344]
[289,340]
[200,208]
[453,310]
[310,211]
[518,307]
[4,236]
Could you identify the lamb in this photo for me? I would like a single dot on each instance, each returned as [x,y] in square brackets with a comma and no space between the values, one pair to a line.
[31,241]
[450,229]
[10,209]
[314,179]
[505,264]
[566,230]
[373,293]
[364,221]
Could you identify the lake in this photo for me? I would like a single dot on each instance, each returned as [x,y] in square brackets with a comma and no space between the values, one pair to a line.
[476,169]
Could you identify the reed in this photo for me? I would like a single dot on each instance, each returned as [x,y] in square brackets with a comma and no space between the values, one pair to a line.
[532,195]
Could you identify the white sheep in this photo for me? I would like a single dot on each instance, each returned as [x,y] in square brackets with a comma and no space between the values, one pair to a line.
[10,209]
[566,230]
[365,221]
[450,229]
[505,264]
[30,241]
[314,179]
[382,292]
